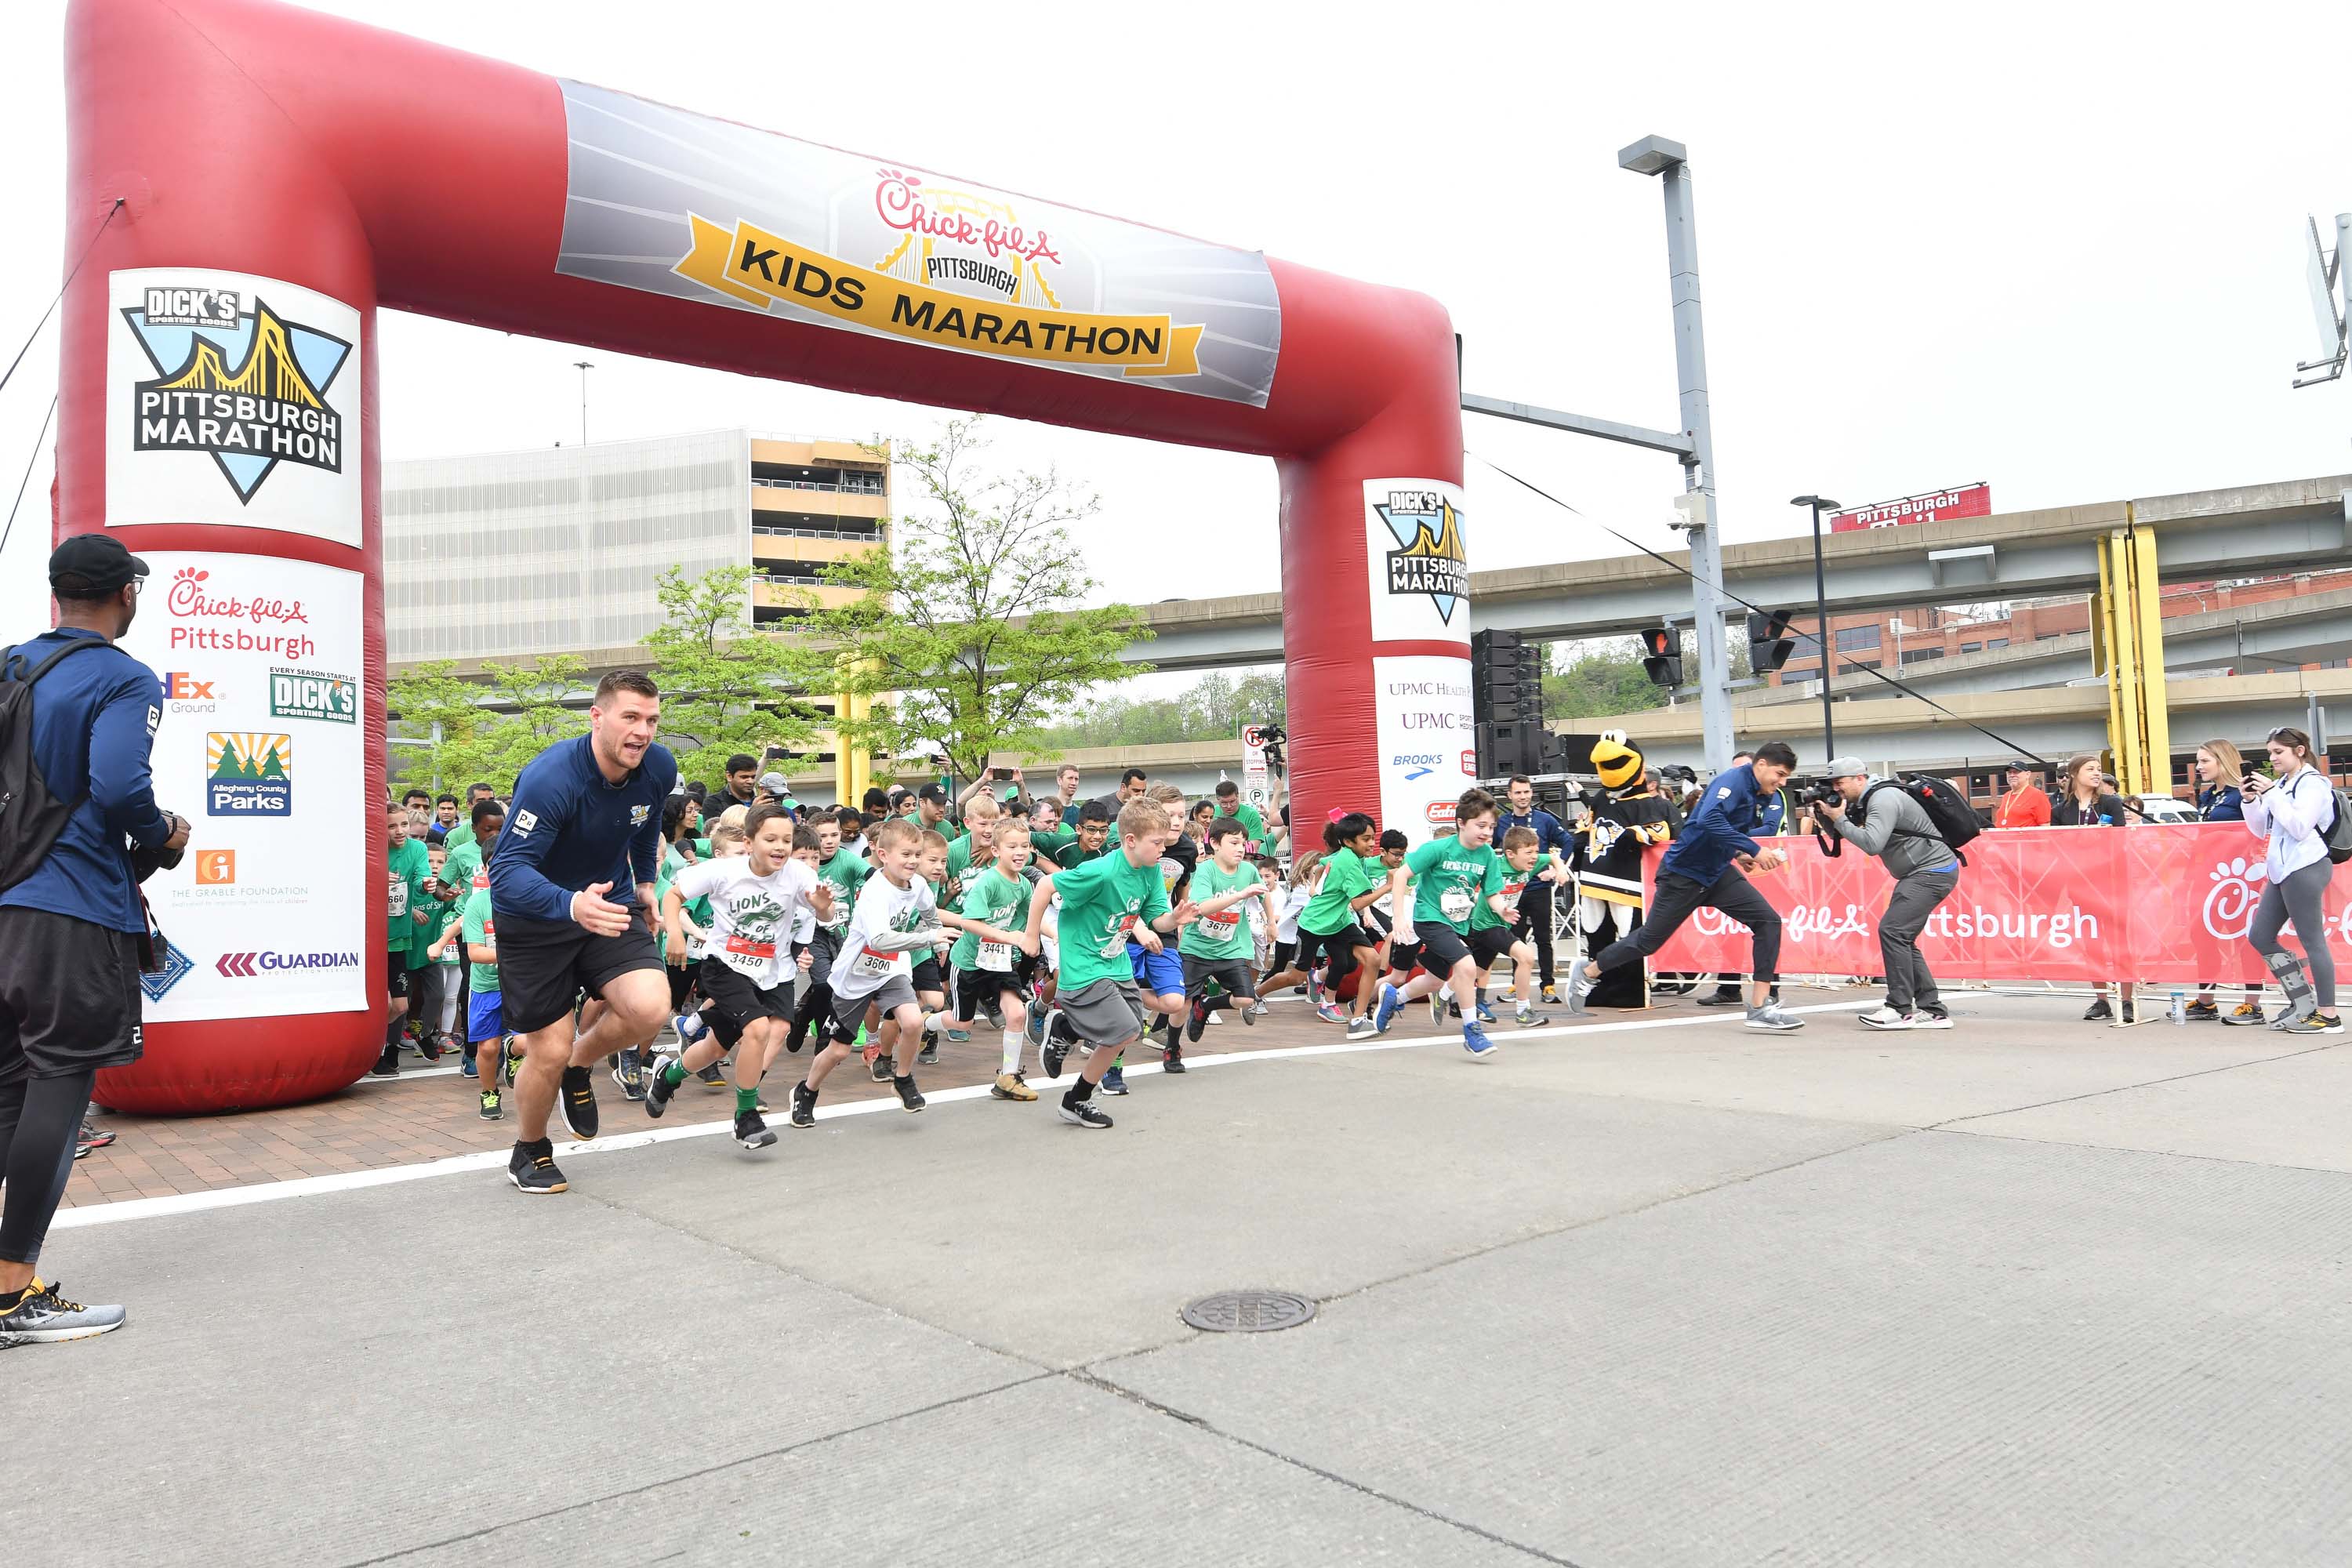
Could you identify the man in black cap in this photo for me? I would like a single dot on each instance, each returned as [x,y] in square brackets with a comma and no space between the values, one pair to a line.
[71,923]
[2024,805]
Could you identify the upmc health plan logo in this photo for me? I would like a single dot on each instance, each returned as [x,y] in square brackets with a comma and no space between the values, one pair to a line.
[249,774]
[236,382]
[1429,558]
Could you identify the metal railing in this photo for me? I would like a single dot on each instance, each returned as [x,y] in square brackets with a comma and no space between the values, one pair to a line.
[851,486]
[779,530]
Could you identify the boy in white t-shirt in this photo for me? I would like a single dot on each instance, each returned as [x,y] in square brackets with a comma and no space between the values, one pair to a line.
[895,917]
[747,964]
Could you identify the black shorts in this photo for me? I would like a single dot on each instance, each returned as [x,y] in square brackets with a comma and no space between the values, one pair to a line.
[928,979]
[544,966]
[1232,975]
[1439,949]
[395,975]
[1486,946]
[1340,945]
[68,996]
[975,986]
[731,1003]
[1284,953]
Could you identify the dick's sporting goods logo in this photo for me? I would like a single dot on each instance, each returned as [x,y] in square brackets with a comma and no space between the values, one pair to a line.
[1429,558]
[237,382]
[306,694]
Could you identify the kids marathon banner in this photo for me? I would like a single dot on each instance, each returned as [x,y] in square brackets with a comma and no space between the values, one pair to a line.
[258,746]
[2165,904]
[677,203]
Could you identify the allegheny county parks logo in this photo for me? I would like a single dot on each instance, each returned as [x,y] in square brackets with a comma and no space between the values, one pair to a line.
[237,382]
[174,967]
[249,774]
[306,694]
[1429,558]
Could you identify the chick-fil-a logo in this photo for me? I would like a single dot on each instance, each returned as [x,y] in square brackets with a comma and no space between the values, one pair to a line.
[895,201]
[2229,901]
[189,600]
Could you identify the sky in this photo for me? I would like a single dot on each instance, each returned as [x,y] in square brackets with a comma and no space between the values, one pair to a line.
[2056,248]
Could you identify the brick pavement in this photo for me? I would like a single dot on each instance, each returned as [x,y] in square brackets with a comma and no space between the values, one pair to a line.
[381,1122]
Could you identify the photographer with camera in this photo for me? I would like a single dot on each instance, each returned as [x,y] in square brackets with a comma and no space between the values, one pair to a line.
[1879,817]
[78,717]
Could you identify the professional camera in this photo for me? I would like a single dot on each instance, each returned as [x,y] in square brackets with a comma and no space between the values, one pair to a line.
[1272,737]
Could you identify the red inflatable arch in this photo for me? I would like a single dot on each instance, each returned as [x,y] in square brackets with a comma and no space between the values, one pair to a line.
[282,174]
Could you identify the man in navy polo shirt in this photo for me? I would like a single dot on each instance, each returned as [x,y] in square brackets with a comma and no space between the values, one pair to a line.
[572,884]
[72,927]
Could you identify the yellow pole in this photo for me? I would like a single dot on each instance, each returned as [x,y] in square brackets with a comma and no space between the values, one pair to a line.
[2111,641]
[2148,611]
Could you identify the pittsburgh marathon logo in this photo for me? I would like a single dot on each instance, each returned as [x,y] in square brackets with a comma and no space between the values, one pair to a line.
[249,774]
[236,382]
[1429,558]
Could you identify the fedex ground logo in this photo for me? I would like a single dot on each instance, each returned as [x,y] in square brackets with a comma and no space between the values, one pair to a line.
[307,694]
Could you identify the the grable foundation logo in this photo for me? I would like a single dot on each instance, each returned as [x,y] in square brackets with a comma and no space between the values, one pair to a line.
[236,381]
[1429,558]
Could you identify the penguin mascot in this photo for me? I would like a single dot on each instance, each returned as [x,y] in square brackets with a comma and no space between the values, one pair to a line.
[1627,816]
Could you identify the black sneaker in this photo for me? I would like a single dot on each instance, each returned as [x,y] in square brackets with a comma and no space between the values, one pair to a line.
[428,1045]
[531,1168]
[1721,996]
[929,1056]
[993,1011]
[883,1068]
[510,1058]
[712,1076]
[804,1105]
[1115,1080]
[2100,1012]
[40,1316]
[1081,1112]
[577,1101]
[658,1089]
[752,1131]
[493,1109]
[630,1074]
[1173,1061]
[386,1065]
[1196,1019]
[906,1095]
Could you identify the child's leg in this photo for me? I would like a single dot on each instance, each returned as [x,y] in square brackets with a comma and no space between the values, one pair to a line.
[1016,1023]
[835,1052]
[901,1031]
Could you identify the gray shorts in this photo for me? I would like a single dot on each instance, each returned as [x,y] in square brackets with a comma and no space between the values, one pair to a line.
[849,1011]
[1104,1012]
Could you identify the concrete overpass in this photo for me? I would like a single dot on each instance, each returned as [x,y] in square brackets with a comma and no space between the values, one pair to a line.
[2053,722]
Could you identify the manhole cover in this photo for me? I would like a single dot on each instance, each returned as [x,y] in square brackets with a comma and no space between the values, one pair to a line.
[1248,1312]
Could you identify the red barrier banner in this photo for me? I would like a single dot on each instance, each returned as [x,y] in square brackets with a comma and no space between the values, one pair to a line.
[2165,904]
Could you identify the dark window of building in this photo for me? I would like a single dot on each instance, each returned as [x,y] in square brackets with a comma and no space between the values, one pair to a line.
[1851,639]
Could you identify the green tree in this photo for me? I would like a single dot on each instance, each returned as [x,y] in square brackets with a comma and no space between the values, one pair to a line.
[529,698]
[488,730]
[1603,676]
[723,684]
[1214,708]
[441,717]
[968,630]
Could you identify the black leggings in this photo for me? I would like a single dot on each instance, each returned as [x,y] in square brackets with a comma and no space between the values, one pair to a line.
[1677,897]
[40,1119]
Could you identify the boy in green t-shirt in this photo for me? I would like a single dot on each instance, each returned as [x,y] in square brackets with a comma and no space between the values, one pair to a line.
[1106,902]
[407,868]
[992,957]
[1497,925]
[1451,878]
[1217,945]
[1327,925]
[1089,839]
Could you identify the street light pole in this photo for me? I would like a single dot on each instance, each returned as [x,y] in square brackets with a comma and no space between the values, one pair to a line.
[585,367]
[1669,160]
[1822,638]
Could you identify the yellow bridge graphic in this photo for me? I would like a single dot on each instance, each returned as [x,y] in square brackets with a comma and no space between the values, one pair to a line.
[269,368]
[1443,545]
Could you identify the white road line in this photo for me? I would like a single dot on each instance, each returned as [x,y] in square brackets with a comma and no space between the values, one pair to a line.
[650,1134]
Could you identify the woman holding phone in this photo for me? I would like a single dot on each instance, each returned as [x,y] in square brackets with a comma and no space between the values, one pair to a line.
[2218,799]
[2293,809]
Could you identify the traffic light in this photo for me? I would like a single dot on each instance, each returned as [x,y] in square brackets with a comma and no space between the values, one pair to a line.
[1505,687]
[1661,656]
[1769,642]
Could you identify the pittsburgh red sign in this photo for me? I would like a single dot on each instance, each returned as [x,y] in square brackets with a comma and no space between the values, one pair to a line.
[1961,500]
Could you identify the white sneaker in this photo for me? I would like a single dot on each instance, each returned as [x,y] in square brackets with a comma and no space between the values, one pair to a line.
[1216,1018]
[1931,1018]
[1885,1018]
[1770,1016]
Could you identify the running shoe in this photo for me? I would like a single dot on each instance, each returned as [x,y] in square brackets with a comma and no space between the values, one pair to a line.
[1579,986]
[1252,1013]
[882,1066]
[1196,1019]
[2204,1010]
[512,1055]
[689,1026]
[1036,1028]
[1528,1018]
[531,1168]
[428,1046]
[712,1077]
[993,1011]
[1081,1113]
[1437,1009]
[1384,1013]
[91,1138]
[1722,996]
[907,1096]
[1770,1016]
[386,1065]
[2099,1012]
[1930,1018]
[804,1105]
[929,1056]
[660,1091]
[1885,1018]
[752,1131]
[1363,1030]
[465,1068]
[42,1316]
[1215,1017]
[1550,995]
[2244,1014]
[1052,1054]
[630,1074]
[1115,1080]
[493,1109]
[2316,1024]
[1173,1061]
[1475,1041]
[1012,1086]
[1329,1013]
[577,1101]
[1485,1014]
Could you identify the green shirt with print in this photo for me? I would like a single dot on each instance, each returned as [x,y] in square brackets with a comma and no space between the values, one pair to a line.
[993,899]
[480,927]
[847,871]
[1072,853]
[1226,933]
[404,889]
[1102,901]
[1252,822]
[1501,878]
[1347,877]
[1447,879]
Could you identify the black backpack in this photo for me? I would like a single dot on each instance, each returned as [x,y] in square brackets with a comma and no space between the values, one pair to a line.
[30,816]
[1954,819]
